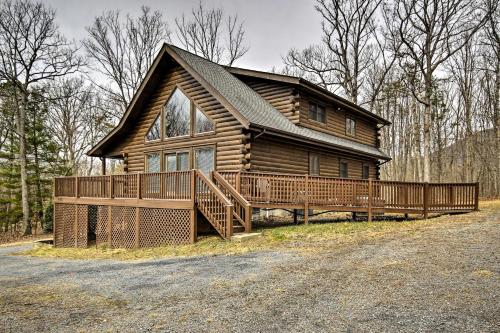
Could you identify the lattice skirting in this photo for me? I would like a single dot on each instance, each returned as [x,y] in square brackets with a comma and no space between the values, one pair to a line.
[121,227]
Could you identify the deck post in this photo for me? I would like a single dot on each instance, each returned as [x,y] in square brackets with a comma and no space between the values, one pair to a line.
[370,196]
[238,181]
[111,186]
[76,187]
[229,221]
[306,200]
[248,218]
[76,225]
[110,227]
[476,196]
[137,225]
[194,210]
[139,190]
[295,216]
[426,200]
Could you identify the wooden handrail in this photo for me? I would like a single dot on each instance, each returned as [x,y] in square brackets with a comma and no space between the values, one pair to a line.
[214,188]
[242,208]
[214,205]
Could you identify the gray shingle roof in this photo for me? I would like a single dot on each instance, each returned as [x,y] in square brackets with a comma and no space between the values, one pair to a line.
[257,110]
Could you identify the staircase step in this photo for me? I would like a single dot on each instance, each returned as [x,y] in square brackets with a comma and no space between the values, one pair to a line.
[245,236]
[238,228]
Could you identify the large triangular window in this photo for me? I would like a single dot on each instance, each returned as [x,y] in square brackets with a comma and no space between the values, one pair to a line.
[202,123]
[177,115]
[154,130]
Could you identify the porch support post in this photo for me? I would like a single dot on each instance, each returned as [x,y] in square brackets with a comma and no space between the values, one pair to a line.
[306,201]
[476,197]
[194,209]
[370,197]
[294,216]
[426,200]
[137,226]
[103,166]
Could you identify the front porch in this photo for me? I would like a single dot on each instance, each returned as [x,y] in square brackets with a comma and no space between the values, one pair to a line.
[152,209]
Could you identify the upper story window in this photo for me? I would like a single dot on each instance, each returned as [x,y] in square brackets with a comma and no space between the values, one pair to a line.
[317,112]
[313,165]
[183,118]
[366,171]
[350,126]
[177,115]
[154,131]
[202,123]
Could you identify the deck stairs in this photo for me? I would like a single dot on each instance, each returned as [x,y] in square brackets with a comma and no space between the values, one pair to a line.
[221,204]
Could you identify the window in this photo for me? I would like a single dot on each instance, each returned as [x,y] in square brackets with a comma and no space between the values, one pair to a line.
[177,115]
[344,173]
[204,159]
[153,162]
[154,130]
[366,171]
[313,165]
[317,112]
[350,126]
[177,161]
[202,123]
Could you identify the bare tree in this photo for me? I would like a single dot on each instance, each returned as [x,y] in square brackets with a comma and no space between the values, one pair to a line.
[31,51]
[212,35]
[349,46]
[431,32]
[122,50]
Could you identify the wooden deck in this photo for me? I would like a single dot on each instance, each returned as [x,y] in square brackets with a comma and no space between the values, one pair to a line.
[226,198]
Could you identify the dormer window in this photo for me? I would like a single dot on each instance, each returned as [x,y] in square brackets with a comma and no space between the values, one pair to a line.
[317,112]
[350,126]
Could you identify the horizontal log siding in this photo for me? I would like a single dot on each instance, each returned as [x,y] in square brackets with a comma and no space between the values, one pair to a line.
[366,132]
[228,139]
[274,156]
[279,95]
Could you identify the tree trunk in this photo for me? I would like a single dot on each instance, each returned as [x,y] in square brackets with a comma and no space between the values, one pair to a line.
[21,130]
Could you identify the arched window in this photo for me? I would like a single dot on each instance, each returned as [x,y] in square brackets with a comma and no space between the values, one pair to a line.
[154,130]
[177,115]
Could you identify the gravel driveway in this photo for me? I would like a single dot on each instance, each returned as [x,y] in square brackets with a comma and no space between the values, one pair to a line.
[434,279]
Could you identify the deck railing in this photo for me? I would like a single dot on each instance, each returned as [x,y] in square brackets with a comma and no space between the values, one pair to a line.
[159,185]
[392,196]
[279,189]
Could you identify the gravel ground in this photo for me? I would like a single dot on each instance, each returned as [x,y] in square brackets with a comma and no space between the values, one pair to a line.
[434,279]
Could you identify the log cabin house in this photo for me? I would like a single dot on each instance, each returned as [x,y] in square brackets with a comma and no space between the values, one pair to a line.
[202,144]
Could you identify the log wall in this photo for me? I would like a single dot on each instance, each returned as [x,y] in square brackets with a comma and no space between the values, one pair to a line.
[270,155]
[228,139]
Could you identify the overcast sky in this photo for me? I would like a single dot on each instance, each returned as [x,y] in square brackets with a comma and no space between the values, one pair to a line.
[272,27]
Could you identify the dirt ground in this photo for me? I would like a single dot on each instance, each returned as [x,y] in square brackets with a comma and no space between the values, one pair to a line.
[443,277]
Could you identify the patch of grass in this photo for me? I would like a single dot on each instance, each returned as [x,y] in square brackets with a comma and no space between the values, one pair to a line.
[307,238]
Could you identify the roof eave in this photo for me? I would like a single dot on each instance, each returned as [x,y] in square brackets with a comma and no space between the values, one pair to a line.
[273,131]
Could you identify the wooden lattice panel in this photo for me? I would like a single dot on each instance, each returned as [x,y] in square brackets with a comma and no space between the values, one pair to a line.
[101,230]
[164,227]
[123,227]
[65,225]
[58,225]
[82,226]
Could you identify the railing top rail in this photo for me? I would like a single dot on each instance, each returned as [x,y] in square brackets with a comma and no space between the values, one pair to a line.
[214,188]
[231,189]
